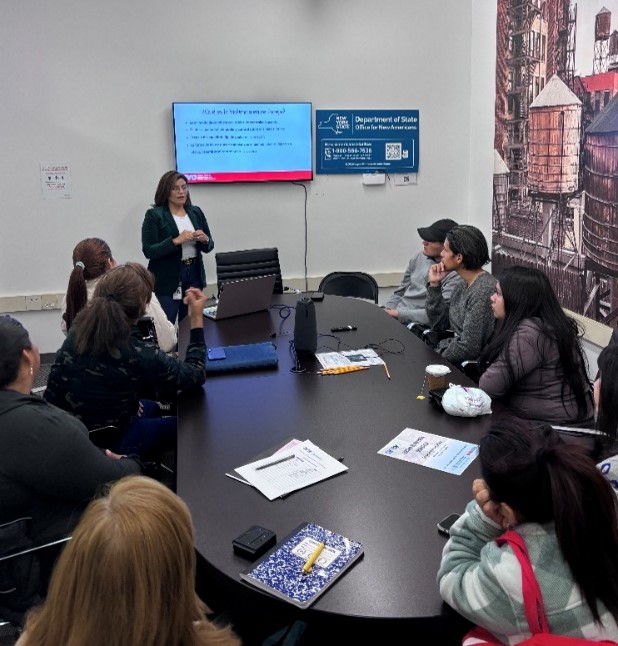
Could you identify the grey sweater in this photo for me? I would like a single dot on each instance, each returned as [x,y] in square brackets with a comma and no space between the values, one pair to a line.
[409,298]
[468,314]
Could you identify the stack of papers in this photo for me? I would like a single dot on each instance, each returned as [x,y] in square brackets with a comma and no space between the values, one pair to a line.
[364,357]
[296,465]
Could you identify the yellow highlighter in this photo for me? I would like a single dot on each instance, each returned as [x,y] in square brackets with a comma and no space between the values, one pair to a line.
[308,566]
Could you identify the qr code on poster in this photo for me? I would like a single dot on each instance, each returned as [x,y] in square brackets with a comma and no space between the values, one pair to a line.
[393,151]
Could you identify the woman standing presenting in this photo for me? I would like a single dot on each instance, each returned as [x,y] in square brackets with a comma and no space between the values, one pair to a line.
[174,236]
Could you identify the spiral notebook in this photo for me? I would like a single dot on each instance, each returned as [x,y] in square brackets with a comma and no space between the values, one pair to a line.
[280,571]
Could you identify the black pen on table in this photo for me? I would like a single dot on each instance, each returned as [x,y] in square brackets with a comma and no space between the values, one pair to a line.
[272,464]
[343,328]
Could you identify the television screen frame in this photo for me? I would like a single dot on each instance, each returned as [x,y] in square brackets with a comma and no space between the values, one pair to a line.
[242,141]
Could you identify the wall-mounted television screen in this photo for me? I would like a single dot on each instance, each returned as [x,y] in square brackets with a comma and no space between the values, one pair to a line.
[243,142]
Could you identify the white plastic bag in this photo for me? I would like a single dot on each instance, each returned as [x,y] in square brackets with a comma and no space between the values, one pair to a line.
[466,402]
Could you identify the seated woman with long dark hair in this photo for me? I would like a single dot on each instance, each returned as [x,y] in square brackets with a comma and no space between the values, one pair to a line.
[103,370]
[534,364]
[554,497]
[127,577]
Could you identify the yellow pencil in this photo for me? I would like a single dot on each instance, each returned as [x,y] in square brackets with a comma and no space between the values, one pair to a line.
[341,370]
[388,374]
[308,566]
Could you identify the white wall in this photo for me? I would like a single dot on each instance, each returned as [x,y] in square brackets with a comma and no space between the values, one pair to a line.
[92,84]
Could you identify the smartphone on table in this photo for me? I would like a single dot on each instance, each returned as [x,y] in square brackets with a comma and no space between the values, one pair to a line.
[444,526]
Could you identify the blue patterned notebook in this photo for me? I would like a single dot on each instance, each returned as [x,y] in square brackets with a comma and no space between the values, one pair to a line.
[280,571]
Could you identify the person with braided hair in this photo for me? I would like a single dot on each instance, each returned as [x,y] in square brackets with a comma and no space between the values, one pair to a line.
[553,495]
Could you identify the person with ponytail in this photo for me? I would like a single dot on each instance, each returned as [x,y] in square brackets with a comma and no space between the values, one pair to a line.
[103,370]
[534,363]
[553,495]
[92,257]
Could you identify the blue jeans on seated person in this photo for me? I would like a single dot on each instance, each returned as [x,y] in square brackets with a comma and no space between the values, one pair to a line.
[149,434]
[189,277]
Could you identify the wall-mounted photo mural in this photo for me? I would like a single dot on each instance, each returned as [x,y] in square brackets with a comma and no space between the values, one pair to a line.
[555,199]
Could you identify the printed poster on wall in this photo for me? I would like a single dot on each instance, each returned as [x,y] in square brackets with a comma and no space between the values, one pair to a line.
[366,141]
[55,181]
[555,177]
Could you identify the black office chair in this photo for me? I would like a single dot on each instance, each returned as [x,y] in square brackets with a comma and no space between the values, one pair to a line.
[234,265]
[105,437]
[162,468]
[146,330]
[22,579]
[350,283]
[428,334]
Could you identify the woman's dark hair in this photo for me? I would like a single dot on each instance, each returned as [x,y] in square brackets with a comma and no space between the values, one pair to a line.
[14,340]
[470,243]
[544,479]
[166,183]
[607,414]
[528,294]
[94,254]
[120,298]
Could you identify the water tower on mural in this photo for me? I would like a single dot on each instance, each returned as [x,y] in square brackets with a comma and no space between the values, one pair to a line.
[554,137]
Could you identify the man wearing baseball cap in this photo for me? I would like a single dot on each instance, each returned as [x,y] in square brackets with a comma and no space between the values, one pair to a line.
[407,304]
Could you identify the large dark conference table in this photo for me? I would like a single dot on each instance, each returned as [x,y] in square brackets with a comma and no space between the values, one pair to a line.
[391,506]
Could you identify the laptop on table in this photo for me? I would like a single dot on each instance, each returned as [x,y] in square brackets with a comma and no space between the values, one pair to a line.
[244,296]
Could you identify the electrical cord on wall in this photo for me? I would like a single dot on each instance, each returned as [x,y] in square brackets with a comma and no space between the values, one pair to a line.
[306,238]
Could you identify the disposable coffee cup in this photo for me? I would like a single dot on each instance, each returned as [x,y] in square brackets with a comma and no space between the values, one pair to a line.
[437,376]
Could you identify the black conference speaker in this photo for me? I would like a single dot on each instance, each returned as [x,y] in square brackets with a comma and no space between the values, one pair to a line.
[305,327]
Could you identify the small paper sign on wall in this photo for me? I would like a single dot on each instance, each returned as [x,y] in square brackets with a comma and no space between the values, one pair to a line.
[55,181]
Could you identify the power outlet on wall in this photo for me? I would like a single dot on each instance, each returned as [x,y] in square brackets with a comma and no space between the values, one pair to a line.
[34,302]
[49,302]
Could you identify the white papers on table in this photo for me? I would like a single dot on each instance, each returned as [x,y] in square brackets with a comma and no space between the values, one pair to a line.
[364,357]
[289,470]
[433,451]
[284,449]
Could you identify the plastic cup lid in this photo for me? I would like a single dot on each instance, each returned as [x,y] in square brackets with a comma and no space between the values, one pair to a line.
[437,370]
